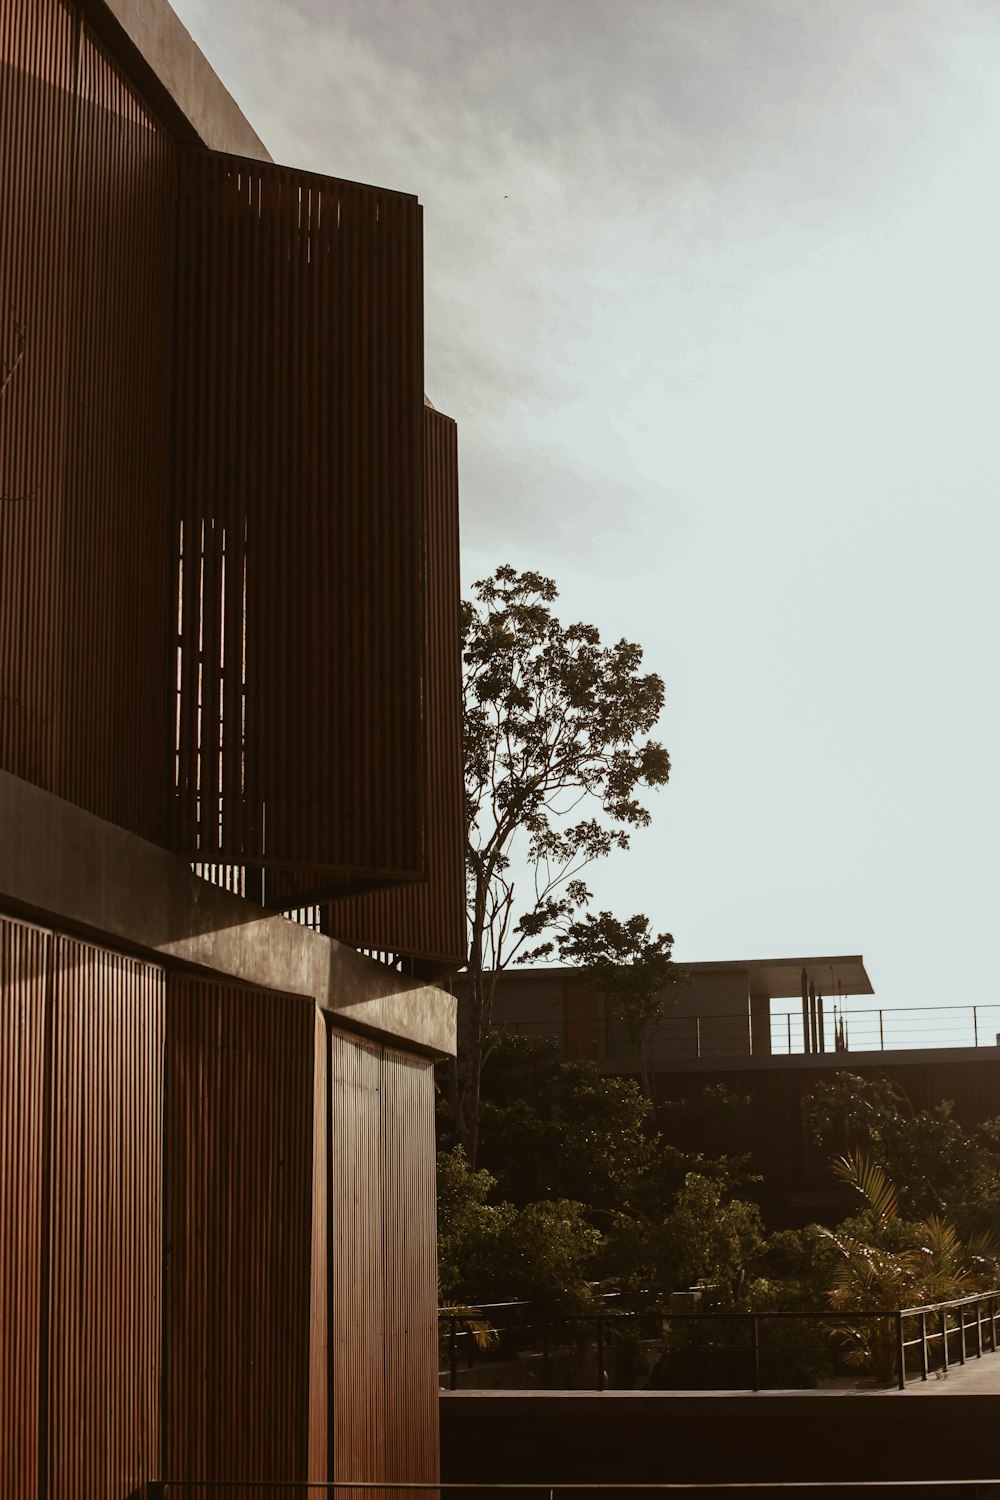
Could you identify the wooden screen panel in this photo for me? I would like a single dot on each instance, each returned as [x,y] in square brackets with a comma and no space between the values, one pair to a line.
[319,1314]
[37,66]
[24,962]
[299,443]
[115,714]
[383,1263]
[103,1426]
[410,1229]
[426,921]
[238,1171]
[86,288]
[356,1239]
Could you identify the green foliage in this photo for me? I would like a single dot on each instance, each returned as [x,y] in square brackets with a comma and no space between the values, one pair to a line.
[896,1265]
[471,1231]
[708,1132]
[937,1167]
[630,967]
[496,1252]
[709,1239]
[550,1255]
[551,1129]
[706,1237]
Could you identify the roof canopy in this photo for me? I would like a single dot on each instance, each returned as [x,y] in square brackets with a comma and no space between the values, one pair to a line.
[781,978]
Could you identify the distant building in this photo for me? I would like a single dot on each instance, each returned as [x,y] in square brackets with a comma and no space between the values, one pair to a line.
[720,1010]
[769,1030]
[228,644]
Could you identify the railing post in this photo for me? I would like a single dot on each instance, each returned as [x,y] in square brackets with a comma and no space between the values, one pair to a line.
[961,1334]
[900,1350]
[453,1352]
[755,1335]
[975,1026]
[600,1354]
[881,1033]
[979,1327]
[923,1346]
[788,1018]
[944,1340]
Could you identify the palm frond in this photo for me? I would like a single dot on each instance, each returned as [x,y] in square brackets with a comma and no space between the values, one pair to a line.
[859,1172]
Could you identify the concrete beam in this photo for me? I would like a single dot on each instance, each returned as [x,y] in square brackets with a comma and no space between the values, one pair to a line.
[63,866]
[149,41]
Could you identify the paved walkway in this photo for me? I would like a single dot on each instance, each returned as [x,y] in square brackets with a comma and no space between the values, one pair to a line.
[977,1377]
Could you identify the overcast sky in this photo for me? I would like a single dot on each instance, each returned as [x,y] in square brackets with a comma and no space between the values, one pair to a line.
[712,290]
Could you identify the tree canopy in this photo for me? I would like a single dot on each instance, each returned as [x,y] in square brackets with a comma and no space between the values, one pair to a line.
[557,752]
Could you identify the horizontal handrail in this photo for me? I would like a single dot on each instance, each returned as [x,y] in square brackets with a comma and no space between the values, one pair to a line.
[543,1487]
[982,1325]
[565,1486]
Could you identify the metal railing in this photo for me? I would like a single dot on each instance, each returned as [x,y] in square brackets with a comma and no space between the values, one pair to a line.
[629,1350]
[840,1029]
[546,1490]
[891,1029]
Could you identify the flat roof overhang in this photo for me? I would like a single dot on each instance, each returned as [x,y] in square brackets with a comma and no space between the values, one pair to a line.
[781,978]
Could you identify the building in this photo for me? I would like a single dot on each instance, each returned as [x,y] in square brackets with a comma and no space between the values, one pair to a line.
[717,1010]
[768,1031]
[228,645]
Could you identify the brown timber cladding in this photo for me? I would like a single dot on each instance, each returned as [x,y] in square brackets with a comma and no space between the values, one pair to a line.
[300,370]
[215,576]
[24,966]
[427,921]
[383,1264]
[86,285]
[239,1232]
[103,1434]
[183,1165]
[80,1164]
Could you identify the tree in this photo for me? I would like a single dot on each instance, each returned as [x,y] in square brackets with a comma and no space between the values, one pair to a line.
[488,1252]
[554,1129]
[556,744]
[631,968]
[937,1167]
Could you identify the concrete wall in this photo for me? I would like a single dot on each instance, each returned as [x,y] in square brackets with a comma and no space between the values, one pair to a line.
[635,1437]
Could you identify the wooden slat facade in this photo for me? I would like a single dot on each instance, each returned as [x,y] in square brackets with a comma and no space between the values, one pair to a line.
[218,1233]
[81,1052]
[300,489]
[427,921]
[102,1434]
[25,958]
[238,1168]
[383,1264]
[86,334]
[228,577]
[228,623]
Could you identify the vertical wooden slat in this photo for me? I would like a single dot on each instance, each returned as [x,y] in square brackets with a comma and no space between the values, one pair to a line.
[384,1307]
[426,921]
[410,1217]
[240,1182]
[37,68]
[25,957]
[86,269]
[358,1299]
[319,1312]
[103,1351]
[316,474]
